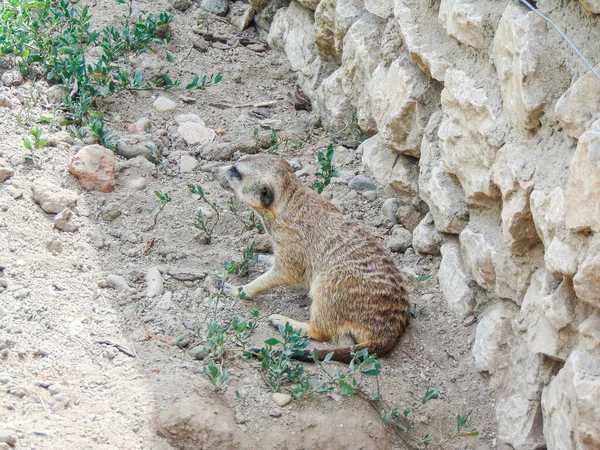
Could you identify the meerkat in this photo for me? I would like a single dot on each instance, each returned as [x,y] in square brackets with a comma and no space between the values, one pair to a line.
[355,287]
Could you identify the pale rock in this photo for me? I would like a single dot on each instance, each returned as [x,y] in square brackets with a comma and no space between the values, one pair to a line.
[370,196]
[187,164]
[361,183]
[542,336]
[587,279]
[548,210]
[333,19]
[468,136]
[583,186]
[139,127]
[331,103]
[217,151]
[570,402]
[389,208]
[281,399]
[359,60]
[94,167]
[592,6]
[381,8]
[218,7]
[117,282]
[515,184]
[408,216]
[154,282]
[561,307]
[426,239]
[455,282]
[561,258]
[137,145]
[400,240]
[442,192]
[517,44]
[166,301]
[399,94]
[477,256]
[137,184]
[424,49]
[292,32]
[149,65]
[164,104]
[52,198]
[310,4]
[579,106]
[389,168]
[240,15]
[195,133]
[66,220]
[463,22]
[183,118]
[6,173]
[54,245]
[111,211]
[516,375]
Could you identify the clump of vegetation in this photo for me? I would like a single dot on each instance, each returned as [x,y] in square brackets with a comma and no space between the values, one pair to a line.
[251,222]
[327,171]
[164,199]
[34,142]
[104,137]
[205,224]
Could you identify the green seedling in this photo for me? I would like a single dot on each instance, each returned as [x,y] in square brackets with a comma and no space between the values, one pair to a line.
[204,224]
[327,171]
[33,143]
[251,222]
[104,137]
[164,199]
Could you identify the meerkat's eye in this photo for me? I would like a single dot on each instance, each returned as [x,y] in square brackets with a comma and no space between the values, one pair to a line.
[235,173]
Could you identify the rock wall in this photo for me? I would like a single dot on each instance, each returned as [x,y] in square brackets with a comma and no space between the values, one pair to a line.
[480,109]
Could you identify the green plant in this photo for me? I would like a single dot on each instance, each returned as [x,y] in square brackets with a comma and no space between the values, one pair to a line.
[34,143]
[204,224]
[415,310]
[164,199]
[252,222]
[104,137]
[326,172]
[24,116]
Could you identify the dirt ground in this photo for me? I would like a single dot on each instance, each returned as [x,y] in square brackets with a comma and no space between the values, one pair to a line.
[65,383]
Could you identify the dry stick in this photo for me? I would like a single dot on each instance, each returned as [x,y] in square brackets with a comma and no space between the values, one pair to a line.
[526,3]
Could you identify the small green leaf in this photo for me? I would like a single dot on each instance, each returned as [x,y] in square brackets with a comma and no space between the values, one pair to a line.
[169,57]
[328,357]
[432,393]
[371,372]
[472,434]
[346,388]
[272,342]
[27,145]
[424,277]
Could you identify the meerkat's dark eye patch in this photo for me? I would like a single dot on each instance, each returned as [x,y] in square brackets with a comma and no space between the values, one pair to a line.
[266,196]
[235,173]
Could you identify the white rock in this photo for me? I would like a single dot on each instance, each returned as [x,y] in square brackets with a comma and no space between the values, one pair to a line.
[548,210]
[281,399]
[583,186]
[195,133]
[468,136]
[164,104]
[154,282]
[463,22]
[66,220]
[426,239]
[381,8]
[6,173]
[443,193]
[117,282]
[477,256]
[389,208]
[570,402]
[187,164]
[455,282]
[592,6]
[390,169]
[331,103]
[561,258]
[517,44]
[52,198]
[333,18]
[240,15]
[183,118]
[579,106]
[587,279]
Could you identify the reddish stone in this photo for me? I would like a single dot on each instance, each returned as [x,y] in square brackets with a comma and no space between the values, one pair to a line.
[94,166]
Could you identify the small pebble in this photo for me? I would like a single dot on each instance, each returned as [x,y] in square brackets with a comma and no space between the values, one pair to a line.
[361,183]
[370,195]
[164,104]
[275,412]
[9,439]
[281,399]
[469,320]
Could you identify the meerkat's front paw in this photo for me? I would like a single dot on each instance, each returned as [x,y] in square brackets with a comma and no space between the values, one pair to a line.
[277,319]
[224,288]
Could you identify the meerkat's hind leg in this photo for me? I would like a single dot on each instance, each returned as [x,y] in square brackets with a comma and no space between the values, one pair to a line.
[267,260]
[277,319]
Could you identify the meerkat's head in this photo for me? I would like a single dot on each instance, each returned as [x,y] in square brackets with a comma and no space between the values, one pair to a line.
[260,181]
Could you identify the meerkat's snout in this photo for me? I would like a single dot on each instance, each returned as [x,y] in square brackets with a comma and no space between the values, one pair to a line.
[226,176]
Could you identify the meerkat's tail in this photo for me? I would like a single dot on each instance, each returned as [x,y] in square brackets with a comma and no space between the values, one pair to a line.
[344,354]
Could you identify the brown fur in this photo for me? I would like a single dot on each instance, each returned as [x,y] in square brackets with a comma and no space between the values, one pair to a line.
[355,287]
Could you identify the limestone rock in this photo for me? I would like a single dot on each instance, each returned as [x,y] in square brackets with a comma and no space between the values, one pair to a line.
[583,187]
[440,191]
[400,240]
[515,184]
[570,402]
[164,104]
[292,32]
[332,21]
[139,127]
[6,173]
[548,210]
[424,47]
[592,6]
[390,169]
[468,136]
[408,215]
[579,106]
[359,60]
[52,198]
[477,256]
[381,8]
[218,7]
[310,4]
[217,151]
[149,65]
[389,208]
[463,22]
[240,15]
[587,279]
[426,239]
[66,220]
[195,133]
[132,146]
[561,258]
[183,118]
[154,282]
[331,103]
[187,164]
[94,166]
[400,104]
[455,282]
[517,44]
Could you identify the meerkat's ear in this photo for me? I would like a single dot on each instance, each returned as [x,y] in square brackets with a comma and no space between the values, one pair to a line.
[266,196]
